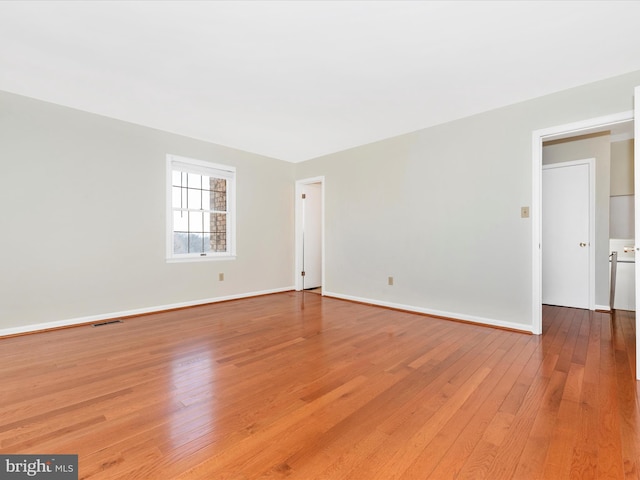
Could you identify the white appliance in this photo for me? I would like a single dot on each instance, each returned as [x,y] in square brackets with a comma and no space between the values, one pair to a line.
[625,295]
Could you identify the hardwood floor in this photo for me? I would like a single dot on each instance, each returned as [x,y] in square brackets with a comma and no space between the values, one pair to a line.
[300,386]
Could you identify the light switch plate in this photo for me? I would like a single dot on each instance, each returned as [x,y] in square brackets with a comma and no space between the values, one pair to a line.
[524,212]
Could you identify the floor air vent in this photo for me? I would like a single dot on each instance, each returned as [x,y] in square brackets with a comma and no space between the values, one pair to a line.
[102,324]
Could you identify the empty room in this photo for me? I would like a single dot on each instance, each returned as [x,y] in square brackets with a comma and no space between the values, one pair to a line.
[319,240]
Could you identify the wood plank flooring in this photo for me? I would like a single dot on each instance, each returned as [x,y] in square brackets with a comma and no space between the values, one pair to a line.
[301,386]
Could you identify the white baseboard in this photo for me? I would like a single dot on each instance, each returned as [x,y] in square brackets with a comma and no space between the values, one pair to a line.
[128,313]
[438,313]
[604,308]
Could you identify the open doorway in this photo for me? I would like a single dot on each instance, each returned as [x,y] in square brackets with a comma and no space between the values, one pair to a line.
[612,124]
[309,272]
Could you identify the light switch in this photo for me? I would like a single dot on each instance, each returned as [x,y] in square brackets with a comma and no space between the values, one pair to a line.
[524,212]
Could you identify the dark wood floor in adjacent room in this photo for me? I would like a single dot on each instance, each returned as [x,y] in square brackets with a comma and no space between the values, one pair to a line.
[301,386]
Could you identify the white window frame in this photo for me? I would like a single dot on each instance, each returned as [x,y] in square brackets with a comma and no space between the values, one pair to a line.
[200,167]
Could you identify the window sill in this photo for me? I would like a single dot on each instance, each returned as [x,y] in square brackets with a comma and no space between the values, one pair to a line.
[200,259]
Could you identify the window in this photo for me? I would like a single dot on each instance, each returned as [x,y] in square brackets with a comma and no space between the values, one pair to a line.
[201,210]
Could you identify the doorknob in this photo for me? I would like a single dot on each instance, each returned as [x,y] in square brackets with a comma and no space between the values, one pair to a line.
[582,244]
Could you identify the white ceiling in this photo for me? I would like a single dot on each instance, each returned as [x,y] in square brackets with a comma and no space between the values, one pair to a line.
[297,80]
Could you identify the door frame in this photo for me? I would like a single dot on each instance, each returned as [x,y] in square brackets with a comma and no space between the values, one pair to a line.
[538,137]
[636,205]
[299,229]
[591,164]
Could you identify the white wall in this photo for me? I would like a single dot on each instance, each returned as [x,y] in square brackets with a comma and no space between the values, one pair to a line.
[83,225]
[622,210]
[439,209]
[622,168]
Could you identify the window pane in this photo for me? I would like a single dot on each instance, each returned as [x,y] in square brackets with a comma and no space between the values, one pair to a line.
[218,222]
[195,222]
[206,242]
[180,221]
[195,243]
[219,201]
[206,222]
[206,195]
[217,184]
[176,193]
[180,242]
[194,180]
[219,196]
[219,242]
[194,199]
[176,178]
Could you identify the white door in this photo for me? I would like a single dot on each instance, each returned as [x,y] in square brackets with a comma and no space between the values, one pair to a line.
[312,235]
[566,204]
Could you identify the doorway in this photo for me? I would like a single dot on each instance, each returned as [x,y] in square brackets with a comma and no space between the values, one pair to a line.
[585,127]
[309,273]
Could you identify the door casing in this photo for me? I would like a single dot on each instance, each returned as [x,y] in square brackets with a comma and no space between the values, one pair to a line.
[636,184]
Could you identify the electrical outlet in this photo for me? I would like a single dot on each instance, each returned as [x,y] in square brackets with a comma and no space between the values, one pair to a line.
[524,212]
[390,281]
[221,277]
